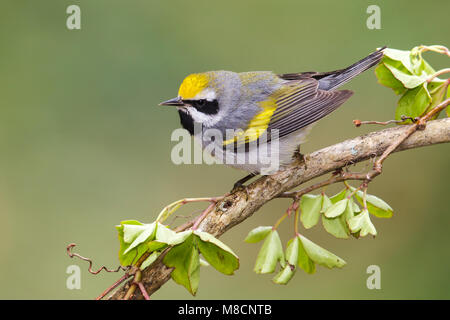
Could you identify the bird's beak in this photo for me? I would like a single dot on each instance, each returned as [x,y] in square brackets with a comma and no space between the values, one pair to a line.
[173,102]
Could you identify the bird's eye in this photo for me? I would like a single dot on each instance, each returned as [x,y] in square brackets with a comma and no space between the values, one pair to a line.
[201,102]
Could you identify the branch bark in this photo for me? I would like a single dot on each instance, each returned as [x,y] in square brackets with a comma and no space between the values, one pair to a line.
[235,208]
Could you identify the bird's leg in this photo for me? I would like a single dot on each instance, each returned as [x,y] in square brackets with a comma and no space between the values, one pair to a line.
[240,183]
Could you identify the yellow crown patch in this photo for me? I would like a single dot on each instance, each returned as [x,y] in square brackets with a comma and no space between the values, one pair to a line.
[192,85]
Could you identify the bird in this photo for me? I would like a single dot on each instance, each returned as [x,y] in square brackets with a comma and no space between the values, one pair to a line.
[253,111]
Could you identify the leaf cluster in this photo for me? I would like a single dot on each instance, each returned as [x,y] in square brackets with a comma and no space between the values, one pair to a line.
[341,216]
[409,75]
[137,238]
[300,252]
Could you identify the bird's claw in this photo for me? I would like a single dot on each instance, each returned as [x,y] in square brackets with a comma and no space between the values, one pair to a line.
[238,186]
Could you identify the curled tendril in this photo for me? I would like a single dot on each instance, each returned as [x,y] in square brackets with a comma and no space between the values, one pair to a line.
[73,254]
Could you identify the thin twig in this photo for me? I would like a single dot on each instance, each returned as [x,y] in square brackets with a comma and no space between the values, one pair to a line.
[293,207]
[438,73]
[359,123]
[203,215]
[284,216]
[143,291]
[364,197]
[433,112]
[297,213]
[168,210]
[357,189]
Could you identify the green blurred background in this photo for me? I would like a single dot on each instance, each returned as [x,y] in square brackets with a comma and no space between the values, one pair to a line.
[83,144]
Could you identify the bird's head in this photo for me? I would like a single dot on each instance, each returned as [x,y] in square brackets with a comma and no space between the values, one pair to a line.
[198,97]
[207,97]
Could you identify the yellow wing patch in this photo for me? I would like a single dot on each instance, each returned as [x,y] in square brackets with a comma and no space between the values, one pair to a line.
[274,107]
[258,125]
[192,85]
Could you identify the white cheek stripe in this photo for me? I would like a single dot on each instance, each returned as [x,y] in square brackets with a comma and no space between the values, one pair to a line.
[201,117]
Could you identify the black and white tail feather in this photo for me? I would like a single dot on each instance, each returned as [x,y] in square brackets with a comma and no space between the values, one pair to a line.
[334,79]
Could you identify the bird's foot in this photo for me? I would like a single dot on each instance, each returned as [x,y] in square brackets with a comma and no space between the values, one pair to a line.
[300,157]
[239,185]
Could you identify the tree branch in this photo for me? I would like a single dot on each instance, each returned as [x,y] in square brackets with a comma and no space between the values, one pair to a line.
[236,207]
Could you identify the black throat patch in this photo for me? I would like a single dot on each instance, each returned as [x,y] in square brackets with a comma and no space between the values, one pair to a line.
[186,121]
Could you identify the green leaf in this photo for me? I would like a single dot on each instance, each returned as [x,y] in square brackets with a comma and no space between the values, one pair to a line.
[375,205]
[304,261]
[132,229]
[411,60]
[288,271]
[321,256]
[326,203]
[419,65]
[336,209]
[292,251]
[132,238]
[401,69]
[284,275]
[409,81]
[355,206]
[403,56]
[271,252]
[155,245]
[185,258]
[386,78]
[219,255]
[336,227]
[170,237]
[310,206]
[207,237]
[349,211]
[352,210]
[339,196]
[362,224]
[258,234]
[151,258]
[140,234]
[414,103]
[131,256]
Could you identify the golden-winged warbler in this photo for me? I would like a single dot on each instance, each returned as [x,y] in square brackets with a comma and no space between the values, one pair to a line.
[256,121]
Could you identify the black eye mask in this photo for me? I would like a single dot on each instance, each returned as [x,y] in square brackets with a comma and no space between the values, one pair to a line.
[204,106]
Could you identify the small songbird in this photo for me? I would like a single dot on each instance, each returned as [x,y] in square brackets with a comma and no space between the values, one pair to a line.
[249,109]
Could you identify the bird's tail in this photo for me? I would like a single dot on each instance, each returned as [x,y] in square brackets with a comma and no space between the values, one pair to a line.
[334,79]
